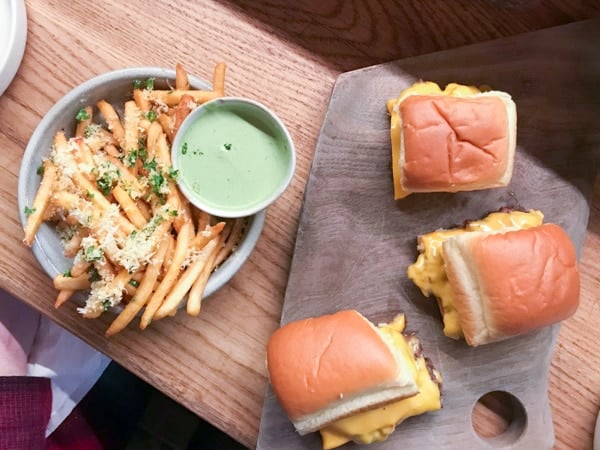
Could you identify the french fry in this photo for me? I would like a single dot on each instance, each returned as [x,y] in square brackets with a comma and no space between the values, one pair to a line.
[129,207]
[131,287]
[181,78]
[130,290]
[63,296]
[143,292]
[179,254]
[200,217]
[111,150]
[194,301]
[185,281]
[71,247]
[40,203]
[84,122]
[101,138]
[67,200]
[112,121]
[131,120]
[166,122]
[152,137]
[105,269]
[232,241]
[168,258]
[173,97]
[141,100]
[143,207]
[185,211]
[80,268]
[83,155]
[60,138]
[208,234]
[219,79]
[163,154]
[51,212]
[79,283]
[182,110]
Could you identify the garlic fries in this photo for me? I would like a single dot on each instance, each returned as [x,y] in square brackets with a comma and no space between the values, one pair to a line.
[110,190]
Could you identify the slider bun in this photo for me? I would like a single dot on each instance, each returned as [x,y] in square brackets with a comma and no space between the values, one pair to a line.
[326,368]
[512,282]
[456,143]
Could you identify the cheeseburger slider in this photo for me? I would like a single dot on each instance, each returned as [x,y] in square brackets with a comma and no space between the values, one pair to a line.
[456,139]
[349,379]
[499,277]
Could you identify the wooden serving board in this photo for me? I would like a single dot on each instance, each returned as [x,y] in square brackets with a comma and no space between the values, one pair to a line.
[355,242]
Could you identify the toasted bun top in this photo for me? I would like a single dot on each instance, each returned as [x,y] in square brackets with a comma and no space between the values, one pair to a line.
[511,283]
[315,362]
[452,143]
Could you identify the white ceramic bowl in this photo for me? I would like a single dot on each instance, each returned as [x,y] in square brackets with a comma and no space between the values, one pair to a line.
[252,173]
[115,87]
[13,34]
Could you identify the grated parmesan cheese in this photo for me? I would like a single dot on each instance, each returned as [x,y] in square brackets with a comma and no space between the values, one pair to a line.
[105,168]
[63,156]
[103,295]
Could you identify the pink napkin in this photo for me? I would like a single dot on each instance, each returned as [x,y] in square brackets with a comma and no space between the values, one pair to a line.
[53,352]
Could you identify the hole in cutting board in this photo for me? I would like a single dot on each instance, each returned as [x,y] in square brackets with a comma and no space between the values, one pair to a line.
[499,418]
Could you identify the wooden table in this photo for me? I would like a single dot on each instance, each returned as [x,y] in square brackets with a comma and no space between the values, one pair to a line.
[287,57]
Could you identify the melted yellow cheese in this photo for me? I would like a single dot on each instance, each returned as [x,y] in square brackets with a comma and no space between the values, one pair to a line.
[377,424]
[420,88]
[429,273]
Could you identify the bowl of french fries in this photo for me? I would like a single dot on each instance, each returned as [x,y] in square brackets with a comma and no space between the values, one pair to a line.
[101,208]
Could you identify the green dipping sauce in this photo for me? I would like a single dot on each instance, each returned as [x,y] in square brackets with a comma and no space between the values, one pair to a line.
[232,157]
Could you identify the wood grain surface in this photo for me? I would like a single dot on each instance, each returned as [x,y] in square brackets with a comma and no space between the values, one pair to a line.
[288,56]
[355,242]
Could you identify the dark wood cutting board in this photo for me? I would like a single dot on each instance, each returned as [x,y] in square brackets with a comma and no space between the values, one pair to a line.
[355,242]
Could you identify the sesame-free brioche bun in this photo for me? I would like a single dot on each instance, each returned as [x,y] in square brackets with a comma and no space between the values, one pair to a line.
[325,368]
[512,282]
[454,140]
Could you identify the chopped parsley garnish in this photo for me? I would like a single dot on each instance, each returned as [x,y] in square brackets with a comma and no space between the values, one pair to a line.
[174,213]
[67,273]
[150,84]
[184,148]
[28,211]
[227,146]
[106,305]
[134,283]
[40,170]
[94,275]
[142,153]
[82,114]
[137,84]
[92,254]
[89,131]
[173,174]
[104,184]
[89,194]
[131,158]
[151,115]
[67,233]
[156,181]
[150,165]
